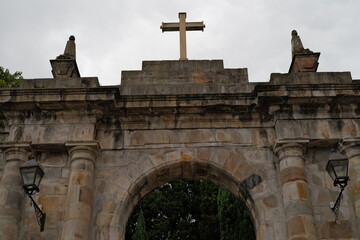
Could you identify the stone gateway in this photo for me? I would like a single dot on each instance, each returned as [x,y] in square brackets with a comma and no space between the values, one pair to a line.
[103,148]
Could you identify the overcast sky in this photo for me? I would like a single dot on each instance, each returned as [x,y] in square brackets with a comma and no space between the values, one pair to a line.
[116,35]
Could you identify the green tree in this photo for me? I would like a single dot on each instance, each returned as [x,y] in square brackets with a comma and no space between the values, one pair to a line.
[183,209]
[178,210]
[235,222]
[140,228]
[208,224]
[8,80]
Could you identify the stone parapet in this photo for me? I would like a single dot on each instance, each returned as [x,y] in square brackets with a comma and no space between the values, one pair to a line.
[186,88]
[85,82]
[182,72]
[310,78]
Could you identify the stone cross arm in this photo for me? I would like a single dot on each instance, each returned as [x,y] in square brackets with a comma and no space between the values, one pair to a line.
[175,26]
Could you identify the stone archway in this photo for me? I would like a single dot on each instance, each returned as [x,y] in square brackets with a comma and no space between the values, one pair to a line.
[227,167]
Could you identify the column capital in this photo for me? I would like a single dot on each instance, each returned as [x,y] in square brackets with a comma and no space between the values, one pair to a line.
[16,151]
[350,147]
[287,144]
[89,150]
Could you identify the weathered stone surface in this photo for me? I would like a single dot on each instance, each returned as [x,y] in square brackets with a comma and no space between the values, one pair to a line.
[52,185]
[252,181]
[304,62]
[179,72]
[311,78]
[51,133]
[342,230]
[270,202]
[321,129]
[87,82]
[153,137]
[52,202]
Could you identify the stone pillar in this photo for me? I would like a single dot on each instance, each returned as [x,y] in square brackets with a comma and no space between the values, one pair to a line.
[77,220]
[351,148]
[298,208]
[11,193]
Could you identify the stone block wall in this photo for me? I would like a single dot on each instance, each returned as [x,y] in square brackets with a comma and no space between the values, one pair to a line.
[52,198]
[323,192]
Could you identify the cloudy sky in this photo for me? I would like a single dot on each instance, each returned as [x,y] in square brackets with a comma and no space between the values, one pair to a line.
[116,35]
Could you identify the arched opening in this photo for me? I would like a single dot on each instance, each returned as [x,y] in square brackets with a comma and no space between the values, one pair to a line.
[170,171]
[243,176]
[190,209]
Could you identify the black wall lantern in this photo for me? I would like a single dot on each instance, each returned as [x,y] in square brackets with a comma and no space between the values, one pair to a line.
[31,176]
[337,167]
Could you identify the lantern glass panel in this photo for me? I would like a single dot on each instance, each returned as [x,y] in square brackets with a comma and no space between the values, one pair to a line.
[337,168]
[28,175]
[39,176]
[332,174]
[341,170]
[330,170]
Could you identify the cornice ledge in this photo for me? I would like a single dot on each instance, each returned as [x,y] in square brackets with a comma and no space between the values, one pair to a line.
[15,144]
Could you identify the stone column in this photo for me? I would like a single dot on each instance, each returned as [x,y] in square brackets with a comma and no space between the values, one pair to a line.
[11,193]
[298,208]
[77,220]
[351,147]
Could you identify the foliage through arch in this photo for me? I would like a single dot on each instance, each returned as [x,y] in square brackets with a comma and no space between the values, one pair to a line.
[190,209]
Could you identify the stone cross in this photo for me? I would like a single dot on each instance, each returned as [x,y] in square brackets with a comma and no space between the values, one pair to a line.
[182,26]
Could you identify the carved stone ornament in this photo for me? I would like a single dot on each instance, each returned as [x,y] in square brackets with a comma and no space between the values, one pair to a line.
[303,60]
[65,66]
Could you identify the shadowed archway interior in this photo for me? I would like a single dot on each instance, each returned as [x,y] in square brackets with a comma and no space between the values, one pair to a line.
[190,209]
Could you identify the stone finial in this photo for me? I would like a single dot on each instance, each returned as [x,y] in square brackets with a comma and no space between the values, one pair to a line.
[70,49]
[303,60]
[296,44]
[65,66]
